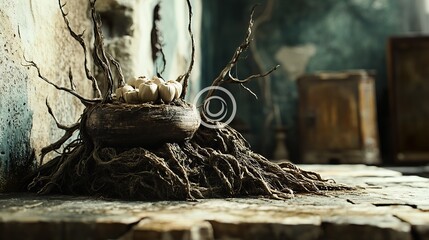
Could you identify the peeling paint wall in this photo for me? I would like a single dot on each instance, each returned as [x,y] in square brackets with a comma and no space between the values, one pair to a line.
[36,29]
[15,115]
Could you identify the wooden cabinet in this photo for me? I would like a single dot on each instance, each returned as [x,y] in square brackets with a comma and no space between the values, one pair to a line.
[408,68]
[337,118]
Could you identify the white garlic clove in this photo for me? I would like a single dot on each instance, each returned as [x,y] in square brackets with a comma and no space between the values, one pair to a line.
[118,93]
[132,97]
[178,87]
[148,92]
[167,91]
[139,81]
[132,81]
[158,81]
[143,78]
[126,88]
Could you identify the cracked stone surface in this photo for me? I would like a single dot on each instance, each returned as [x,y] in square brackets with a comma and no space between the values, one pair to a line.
[390,206]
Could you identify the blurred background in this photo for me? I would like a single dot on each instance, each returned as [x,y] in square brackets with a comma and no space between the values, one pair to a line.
[307,37]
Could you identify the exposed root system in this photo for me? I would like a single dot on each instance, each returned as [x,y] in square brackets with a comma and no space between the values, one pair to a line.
[214,163]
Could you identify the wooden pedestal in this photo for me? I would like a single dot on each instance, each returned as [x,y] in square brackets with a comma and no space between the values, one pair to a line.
[337,118]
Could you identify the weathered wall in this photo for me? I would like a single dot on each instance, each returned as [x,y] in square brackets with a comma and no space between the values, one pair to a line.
[36,29]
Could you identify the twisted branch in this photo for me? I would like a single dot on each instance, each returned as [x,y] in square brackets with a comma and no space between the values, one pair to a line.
[67,135]
[100,56]
[121,80]
[225,75]
[186,76]
[265,84]
[79,39]
[83,100]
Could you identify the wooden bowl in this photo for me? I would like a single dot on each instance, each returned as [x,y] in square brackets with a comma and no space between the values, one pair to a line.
[142,125]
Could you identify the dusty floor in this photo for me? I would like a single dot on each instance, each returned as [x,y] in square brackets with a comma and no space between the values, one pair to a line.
[392,206]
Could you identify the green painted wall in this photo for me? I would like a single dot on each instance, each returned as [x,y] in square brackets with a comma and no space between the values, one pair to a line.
[15,119]
[348,34]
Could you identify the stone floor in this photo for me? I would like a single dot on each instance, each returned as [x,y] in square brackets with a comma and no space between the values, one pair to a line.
[391,206]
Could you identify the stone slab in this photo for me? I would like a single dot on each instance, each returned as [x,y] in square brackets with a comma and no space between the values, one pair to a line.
[347,170]
[390,209]
[381,227]
[419,221]
[174,228]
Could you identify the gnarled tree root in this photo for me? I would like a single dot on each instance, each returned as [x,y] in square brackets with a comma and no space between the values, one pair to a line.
[215,163]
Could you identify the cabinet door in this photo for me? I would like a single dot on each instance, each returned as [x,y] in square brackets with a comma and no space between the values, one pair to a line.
[409,96]
[329,115]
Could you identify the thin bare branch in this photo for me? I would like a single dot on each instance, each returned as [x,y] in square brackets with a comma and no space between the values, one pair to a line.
[100,55]
[260,75]
[121,80]
[56,145]
[59,125]
[67,135]
[250,91]
[265,83]
[225,75]
[79,39]
[191,65]
[83,100]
